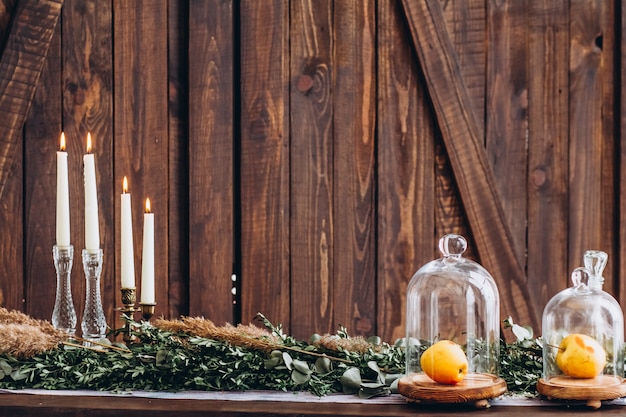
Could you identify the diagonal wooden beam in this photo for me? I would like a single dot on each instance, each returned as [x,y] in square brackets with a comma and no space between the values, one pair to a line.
[20,66]
[468,158]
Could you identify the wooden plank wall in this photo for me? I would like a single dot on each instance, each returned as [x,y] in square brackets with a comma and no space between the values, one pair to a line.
[301,147]
[264,161]
[548,152]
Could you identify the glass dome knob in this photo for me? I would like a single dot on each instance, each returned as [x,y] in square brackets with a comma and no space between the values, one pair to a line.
[452,245]
[595,262]
[580,278]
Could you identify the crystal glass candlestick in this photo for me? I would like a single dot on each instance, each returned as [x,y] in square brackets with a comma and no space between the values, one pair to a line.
[64,314]
[94,323]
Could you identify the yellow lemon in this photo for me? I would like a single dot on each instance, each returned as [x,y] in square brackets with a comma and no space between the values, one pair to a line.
[444,362]
[580,356]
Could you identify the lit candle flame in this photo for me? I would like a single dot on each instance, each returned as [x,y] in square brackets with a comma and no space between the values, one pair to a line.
[62,146]
[88,142]
[125,185]
[147,205]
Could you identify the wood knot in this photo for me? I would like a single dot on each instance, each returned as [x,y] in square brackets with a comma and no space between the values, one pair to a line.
[598,41]
[539,177]
[79,97]
[304,84]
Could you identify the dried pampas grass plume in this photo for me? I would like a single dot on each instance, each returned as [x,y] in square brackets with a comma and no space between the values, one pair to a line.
[248,336]
[352,344]
[23,336]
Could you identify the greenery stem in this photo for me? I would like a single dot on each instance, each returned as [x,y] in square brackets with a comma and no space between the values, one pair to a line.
[76,345]
[108,346]
[321,355]
[554,346]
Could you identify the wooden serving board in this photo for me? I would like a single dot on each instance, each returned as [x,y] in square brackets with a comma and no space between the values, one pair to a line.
[475,387]
[593,390]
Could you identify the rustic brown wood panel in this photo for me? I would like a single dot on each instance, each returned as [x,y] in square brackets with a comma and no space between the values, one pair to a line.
[467,155]
[211,253]
[87,53]
[264,161]
[548,129]
[177,239]
[11,291]
[312,236]
[450,216]
[141,132]
[23,57]
[6,13]
[609,224]
[507,110]
[586,140]
[354,212]
[621,142]
[405,169]
[41,141]
[331,226]
[466,23]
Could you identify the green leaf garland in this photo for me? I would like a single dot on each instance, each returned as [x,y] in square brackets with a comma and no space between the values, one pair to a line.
[174,361]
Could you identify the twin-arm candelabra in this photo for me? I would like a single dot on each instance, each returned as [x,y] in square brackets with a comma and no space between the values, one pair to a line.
[129,300]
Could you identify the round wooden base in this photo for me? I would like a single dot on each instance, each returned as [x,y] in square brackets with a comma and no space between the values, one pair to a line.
[475,388]
[592,390]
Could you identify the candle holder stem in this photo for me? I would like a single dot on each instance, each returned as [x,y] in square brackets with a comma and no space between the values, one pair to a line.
[64,314]
[94,323]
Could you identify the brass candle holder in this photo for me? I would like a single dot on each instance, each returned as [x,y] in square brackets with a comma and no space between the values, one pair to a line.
[129,297]
[147,310]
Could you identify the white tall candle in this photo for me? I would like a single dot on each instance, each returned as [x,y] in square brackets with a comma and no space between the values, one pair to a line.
[92,229]
[127,253]
[147,260]
[63,198]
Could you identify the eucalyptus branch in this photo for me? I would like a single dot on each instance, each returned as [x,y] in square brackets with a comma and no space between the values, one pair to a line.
[166,362]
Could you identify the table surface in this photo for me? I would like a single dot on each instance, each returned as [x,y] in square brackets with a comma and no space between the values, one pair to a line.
[27,403]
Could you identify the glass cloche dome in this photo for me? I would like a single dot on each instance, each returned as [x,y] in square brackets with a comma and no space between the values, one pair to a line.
[583,338]
[452,303]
